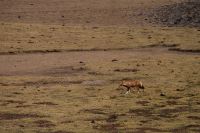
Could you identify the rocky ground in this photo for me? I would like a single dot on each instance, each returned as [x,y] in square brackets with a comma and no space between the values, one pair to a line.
[179,14]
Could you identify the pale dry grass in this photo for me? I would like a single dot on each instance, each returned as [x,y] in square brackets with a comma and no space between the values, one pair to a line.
[26,37]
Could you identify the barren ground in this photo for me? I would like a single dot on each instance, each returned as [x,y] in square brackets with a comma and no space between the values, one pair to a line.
[61,63]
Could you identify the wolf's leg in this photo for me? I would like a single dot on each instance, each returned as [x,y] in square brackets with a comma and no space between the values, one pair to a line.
[128,91]
[138,90]
[142,90]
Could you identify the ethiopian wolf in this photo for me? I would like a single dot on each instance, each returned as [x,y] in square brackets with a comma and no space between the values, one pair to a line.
[134,84]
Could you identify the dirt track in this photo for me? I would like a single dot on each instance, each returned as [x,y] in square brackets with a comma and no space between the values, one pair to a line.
[61,63]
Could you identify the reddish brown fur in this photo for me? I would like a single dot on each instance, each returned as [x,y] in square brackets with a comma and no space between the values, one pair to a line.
[132,84]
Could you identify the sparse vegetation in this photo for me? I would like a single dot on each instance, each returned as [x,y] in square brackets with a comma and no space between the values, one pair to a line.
[60,68]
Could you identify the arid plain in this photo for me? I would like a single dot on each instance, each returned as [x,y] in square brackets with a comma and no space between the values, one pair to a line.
[61,62]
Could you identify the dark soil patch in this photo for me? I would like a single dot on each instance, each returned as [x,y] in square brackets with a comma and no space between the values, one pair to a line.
[112,118]
[179,14]
[97,73]
[173,47]
[145,129]
[60,50]
[44,83]
[145,121]
[170,112]
[38,83]
[60,131]
[4,84]
[194,117]
[64,70]
[44,123]
[17,93]
[114,60]
[13,116]
[95,82]
[23,106]
[143,103]
[185,50]
[75,82]
[13,102]
[162,94]
[126,70]
[161,45]
[146,112]
[90,88]
[45,103]
[186,129]
[67,121]
[3,104]
[93,120]
[30,52]
[173,97]
[110,127]
[172,102]
[164,113]
[114,96]
[94,111]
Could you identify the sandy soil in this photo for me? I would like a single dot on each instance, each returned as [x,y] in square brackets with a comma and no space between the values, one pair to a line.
[61,63]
